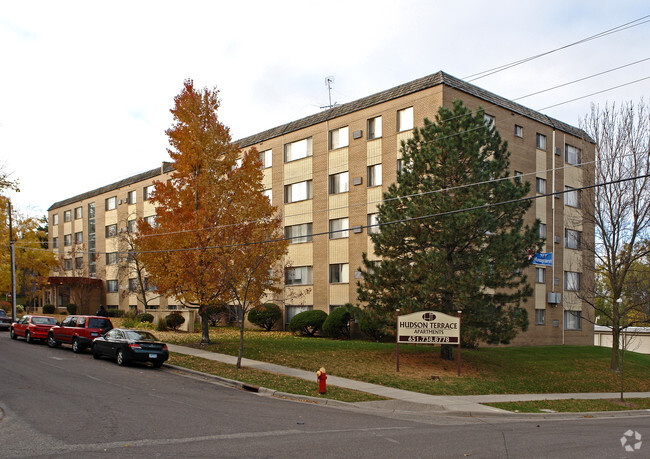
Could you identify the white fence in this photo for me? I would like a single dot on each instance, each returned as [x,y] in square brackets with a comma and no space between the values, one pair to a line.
[636,339]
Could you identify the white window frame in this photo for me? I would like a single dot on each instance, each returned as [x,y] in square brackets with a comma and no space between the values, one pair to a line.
[540,275]
[111,203]
[339,138]
[299,191]
[339,228]
[374,128]
[405,119]
[299,149]
[519,131]
[374,175]
[339,183]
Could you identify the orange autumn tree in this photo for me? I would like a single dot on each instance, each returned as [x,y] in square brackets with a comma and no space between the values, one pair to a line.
[209,213]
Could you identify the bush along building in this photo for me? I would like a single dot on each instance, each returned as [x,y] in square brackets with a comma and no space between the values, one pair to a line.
[327,173]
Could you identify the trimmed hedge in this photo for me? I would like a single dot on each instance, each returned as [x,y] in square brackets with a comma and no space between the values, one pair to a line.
[337,324]
[265,316]
[49,309]
[308,323]
[174,320]
[145,317]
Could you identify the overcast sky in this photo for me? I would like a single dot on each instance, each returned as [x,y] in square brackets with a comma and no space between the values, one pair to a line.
[86,86]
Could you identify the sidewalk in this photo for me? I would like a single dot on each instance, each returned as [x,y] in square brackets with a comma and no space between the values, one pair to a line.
[467,405]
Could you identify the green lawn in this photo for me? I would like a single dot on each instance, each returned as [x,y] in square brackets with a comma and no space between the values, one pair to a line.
[573,405]
[489,370]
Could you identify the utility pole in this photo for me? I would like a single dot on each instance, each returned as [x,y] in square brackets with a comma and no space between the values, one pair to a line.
[13,268]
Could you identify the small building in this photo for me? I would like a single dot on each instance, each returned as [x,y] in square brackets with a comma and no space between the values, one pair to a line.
[635,339]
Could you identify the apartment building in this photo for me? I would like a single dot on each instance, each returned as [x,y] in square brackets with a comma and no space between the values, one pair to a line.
[327,173]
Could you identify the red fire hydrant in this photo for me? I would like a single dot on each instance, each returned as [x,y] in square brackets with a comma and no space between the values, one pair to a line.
[321,377]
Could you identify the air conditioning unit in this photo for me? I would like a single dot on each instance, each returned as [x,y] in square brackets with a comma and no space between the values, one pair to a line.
[558,151]
[357,134]
[554,298]
[357,181]
[557,239]
[356,229]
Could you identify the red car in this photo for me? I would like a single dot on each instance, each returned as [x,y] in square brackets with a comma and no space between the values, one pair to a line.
[32,327]
[79,331]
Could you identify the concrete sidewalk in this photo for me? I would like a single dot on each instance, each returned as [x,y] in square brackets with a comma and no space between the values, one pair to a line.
[468,405]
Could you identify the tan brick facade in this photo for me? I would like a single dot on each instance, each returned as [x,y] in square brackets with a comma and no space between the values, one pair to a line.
[329,256]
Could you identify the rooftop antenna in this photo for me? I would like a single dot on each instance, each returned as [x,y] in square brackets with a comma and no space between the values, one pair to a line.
[328,82]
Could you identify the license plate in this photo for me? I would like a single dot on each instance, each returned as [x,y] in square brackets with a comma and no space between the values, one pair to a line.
[94,334]
[153,356]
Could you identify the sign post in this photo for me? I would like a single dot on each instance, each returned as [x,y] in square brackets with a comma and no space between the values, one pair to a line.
[428,327]
[397,344]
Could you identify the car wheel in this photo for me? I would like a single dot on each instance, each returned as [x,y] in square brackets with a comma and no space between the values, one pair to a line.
[28,338]
[76,347]
[12,334]
[96,355]
[51,341]
[157,364]
[121,359]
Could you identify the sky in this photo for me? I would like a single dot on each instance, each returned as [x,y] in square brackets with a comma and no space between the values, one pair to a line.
[86,86]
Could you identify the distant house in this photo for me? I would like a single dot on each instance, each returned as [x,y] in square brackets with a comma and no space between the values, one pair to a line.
[635,339]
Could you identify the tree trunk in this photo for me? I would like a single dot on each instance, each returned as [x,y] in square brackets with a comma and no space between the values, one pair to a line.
[241,344]
[205,325]
[616,333]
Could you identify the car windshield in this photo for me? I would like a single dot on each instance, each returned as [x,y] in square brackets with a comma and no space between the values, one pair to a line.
[44,320]
[99,323]
[139,335]
[2,312]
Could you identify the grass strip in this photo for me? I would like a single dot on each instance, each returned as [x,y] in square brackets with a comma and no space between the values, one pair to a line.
[273,381]
[573,405]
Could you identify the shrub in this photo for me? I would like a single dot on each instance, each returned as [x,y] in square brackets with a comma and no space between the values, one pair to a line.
[175,320]
[20,309]
[145,317]
[371,324]
[215,313]
[130,322]
[162,325]
[308,322]
[337,324]
[265,316]
[115,312]
[71,308]
[6,306]
[49,309]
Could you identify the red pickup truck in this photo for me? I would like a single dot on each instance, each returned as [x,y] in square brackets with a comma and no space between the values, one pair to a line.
[79,331]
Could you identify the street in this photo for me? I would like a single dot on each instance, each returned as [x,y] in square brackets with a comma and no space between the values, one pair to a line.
[59,404]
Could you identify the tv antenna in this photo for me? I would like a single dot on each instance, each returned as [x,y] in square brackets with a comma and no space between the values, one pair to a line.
[328,82]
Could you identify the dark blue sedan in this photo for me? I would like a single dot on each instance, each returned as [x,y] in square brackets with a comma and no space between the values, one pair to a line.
[130,346]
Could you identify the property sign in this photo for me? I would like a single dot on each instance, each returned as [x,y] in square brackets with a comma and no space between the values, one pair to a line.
[428,327]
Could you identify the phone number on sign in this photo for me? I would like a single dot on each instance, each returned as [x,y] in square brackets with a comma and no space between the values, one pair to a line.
[428,339]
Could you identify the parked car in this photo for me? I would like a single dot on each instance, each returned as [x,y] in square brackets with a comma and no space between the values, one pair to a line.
[126,346]
[5,320]
[79,331]
[32,327]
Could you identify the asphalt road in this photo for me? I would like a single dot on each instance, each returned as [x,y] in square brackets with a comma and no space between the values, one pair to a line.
[59,404]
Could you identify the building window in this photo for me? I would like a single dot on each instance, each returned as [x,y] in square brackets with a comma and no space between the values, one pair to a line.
[151,220]
[291,311]
[132,197]
[77,213]
[540,141]
[111,258]
[339,183]
[572,239]
[79,237]
[297,234]
[67,264]
[540,275]
[55,219]
[374,128]
[373,222]
[55,242]
[266,157]
[269,194]
[78,263]
[571,197]
[131,226]
[67,240]
[540,316]
[299,275]
[297,150]
[405,119]
[339,228]
[339,273]
[111,203]
[542,230]
[572,155]
[147,191]
[339,138]
[518,176]
[572,320]
[111,286]
[297,192]
[489,120]
[133,284]
[519,131]
[67,215]
[540,185]
[374,175]
[111,230]
[571,281]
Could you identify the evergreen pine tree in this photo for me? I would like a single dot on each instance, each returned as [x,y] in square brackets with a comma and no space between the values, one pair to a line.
[452,231]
